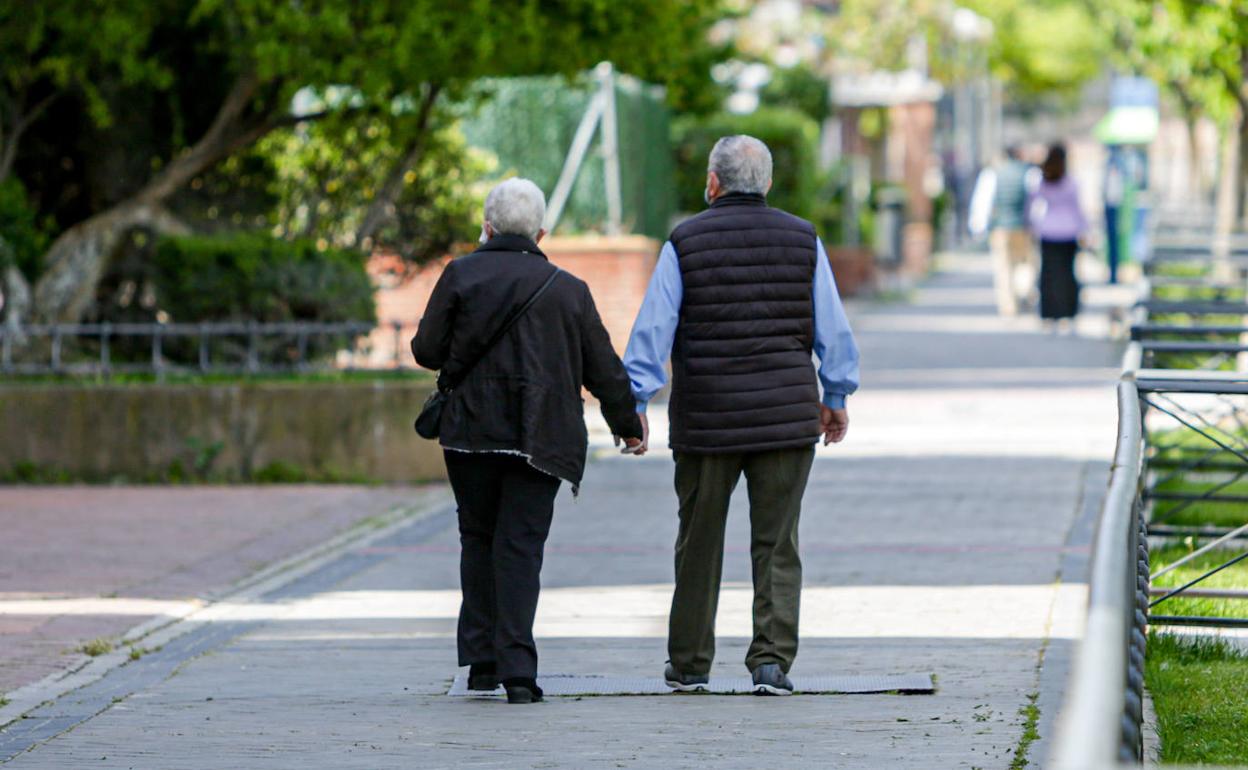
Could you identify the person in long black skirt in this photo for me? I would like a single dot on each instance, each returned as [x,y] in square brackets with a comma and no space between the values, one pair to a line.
[1059,224]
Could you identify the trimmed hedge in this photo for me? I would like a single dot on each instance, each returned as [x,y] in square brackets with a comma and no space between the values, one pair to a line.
[255,277]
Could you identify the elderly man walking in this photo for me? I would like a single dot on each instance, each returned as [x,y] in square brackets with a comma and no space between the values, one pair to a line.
[514,339]
[742,295]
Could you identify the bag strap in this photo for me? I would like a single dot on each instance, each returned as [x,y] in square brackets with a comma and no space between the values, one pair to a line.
[502,332]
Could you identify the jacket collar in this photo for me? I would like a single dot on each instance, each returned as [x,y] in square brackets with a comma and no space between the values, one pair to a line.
[506,242]
[739,199]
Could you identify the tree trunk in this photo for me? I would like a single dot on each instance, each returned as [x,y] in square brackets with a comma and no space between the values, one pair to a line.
[1197,185]
[16,291]
[78,258]
[1228,187]
[17,123]
[382,206]
[1242,168]
[1241,179]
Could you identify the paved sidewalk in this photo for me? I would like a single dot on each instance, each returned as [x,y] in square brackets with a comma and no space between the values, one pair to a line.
[947,536]
[81,563]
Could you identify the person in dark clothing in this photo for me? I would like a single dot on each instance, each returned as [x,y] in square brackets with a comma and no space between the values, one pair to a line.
[514,428]
[742,296]
[1058,222]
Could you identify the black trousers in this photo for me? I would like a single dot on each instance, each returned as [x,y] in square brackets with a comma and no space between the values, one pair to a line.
[1059,290]
[505,508]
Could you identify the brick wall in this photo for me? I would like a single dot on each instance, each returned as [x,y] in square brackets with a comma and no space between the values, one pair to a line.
[617,270]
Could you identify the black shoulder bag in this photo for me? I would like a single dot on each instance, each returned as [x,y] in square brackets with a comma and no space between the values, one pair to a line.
[429,422]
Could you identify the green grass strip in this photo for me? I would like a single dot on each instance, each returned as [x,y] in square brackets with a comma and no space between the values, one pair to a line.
[1232,577]
[1187,513]
[1199,687]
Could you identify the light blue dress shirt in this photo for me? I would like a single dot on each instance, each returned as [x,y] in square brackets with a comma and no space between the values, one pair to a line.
[650,344]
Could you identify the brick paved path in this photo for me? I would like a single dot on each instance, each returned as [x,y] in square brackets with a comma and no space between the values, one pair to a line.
[948,535]
[75,560]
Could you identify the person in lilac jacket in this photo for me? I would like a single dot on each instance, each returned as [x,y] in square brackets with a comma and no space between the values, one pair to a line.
[1059,224]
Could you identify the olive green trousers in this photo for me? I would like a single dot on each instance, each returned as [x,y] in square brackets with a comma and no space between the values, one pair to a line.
[775,480]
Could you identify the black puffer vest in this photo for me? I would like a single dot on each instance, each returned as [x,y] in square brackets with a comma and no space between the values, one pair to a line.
[742,374]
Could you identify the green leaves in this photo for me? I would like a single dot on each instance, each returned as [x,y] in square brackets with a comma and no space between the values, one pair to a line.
[25,238]
[76,44]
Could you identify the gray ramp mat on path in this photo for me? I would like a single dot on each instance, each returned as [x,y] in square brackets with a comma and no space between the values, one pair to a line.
[574,684]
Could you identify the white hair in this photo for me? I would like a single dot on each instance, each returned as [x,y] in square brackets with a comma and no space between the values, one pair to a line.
[742,163]
[516,207]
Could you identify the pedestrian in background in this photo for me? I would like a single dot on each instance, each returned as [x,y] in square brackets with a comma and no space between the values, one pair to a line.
[1013,253]
[514,338]
[741,297]
[1059,224]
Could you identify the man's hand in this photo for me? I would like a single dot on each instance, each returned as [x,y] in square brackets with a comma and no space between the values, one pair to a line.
[834,423]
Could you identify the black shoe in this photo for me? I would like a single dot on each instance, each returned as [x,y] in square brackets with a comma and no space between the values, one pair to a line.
[770,680]
[482,676]
[685,682]
[522,691]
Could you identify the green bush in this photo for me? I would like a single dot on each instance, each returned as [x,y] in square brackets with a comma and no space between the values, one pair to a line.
[24,239]
[255,277]
[791,135]
[281,472]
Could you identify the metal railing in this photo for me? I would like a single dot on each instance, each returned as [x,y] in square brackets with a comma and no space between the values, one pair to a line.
[1101,723]
[1186,366]
[231,347]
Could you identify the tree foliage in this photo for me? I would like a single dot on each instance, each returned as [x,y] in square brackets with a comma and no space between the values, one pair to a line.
[1037,47]
[1051,47]
[325,176]
[49,50]
[201,81]
[1185,50]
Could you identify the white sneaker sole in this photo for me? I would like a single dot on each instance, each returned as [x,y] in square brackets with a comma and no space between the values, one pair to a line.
[678,687]
[766,689]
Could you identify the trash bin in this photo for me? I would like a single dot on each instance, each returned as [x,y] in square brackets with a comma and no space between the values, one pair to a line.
[890,217]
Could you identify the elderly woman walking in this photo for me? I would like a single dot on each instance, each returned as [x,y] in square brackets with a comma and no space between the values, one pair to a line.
[514,339]
[1059,223]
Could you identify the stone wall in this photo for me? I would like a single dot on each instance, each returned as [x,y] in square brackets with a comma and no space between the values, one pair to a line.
[351,430]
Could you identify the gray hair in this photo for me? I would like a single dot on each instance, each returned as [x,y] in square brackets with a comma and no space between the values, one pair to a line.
[742,163]
[516,207]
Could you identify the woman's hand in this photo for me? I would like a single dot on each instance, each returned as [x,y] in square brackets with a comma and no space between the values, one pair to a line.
[636,446]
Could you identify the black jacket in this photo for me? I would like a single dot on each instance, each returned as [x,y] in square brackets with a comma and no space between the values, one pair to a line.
[524,397]
[742,375]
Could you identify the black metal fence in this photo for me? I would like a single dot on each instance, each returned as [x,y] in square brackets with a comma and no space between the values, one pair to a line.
[1182,443]
[247,347]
